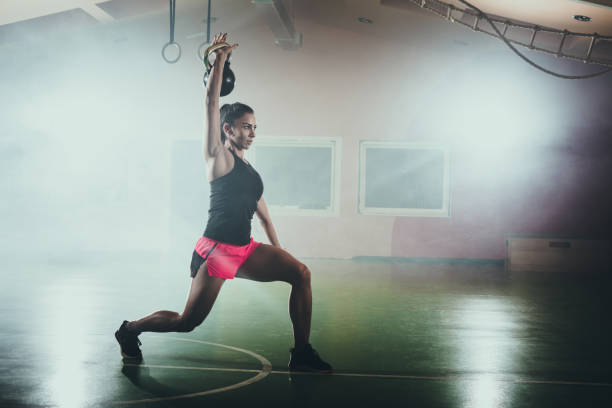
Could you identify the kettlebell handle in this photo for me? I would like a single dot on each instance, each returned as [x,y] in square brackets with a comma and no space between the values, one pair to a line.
[228,78]
[210,50]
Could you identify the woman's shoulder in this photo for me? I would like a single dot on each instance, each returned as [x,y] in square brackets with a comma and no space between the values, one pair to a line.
[222,165]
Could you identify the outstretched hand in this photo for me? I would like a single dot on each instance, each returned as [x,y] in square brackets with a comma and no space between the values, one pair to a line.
[225,51]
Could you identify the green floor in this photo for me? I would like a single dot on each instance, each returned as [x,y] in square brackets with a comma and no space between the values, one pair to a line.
[397,333]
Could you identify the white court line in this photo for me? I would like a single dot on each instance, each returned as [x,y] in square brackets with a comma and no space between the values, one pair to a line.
[390,376]
[239,370]
[265,370]
[448,378]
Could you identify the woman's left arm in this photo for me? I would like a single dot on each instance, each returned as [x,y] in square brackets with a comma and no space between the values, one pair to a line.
[266,222]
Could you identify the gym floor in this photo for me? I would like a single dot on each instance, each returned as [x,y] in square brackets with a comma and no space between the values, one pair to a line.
[423,334]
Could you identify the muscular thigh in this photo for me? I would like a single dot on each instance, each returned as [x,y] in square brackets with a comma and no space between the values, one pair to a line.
[269,263]
[202,295]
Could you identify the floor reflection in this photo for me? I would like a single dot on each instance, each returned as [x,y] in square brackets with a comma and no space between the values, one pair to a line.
[141,378]
[68,325]
[487,334]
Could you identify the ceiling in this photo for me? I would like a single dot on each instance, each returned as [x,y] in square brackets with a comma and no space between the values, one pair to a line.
[31,14]
[552,13]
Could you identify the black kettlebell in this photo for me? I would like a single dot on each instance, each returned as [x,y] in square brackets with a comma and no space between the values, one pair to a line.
[227,83]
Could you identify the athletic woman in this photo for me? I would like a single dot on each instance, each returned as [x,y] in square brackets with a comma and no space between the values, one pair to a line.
[226,250]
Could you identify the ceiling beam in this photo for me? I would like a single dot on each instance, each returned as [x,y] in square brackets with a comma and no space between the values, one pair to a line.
[97,13]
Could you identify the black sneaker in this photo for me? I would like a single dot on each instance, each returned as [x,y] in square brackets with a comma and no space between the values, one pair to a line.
[308,359]
[129,343]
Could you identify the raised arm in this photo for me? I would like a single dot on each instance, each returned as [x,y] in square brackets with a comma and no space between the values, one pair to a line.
[212,137]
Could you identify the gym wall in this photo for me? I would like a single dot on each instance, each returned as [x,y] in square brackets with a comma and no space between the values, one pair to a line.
[99,136]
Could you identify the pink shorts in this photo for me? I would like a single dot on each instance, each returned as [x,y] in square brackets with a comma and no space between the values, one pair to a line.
[222,260]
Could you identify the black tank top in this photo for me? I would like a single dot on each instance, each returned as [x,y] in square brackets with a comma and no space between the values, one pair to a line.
[233,201]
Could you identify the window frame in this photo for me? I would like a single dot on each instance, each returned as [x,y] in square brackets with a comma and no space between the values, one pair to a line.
[444,212]
[335,143]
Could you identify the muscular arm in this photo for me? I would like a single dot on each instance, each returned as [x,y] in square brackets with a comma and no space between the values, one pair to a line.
[212,137]
[266,222]
[212,144]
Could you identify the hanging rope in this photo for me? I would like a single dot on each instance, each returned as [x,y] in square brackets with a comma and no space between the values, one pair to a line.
[527,59]
[204,44]
[208,24]
[171,42]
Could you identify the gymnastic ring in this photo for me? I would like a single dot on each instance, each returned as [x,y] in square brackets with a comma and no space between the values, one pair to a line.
[210,50]
[200,53]
[169,61]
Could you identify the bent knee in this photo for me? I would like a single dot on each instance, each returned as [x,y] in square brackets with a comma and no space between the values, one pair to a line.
[302,274]
[187,325]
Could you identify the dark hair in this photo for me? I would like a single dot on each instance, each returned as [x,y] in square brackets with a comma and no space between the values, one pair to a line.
[230,113]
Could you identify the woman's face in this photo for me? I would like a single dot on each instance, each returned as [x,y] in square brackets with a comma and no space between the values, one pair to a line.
[242,132]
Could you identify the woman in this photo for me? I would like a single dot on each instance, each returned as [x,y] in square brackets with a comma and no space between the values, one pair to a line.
[227,250]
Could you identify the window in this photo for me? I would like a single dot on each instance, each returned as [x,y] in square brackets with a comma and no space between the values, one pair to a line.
[301,175]
[401,178]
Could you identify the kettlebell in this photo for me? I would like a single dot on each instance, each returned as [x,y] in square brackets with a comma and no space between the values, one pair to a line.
[227,83]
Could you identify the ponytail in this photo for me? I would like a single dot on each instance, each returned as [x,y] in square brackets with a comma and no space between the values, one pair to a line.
[224,110]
